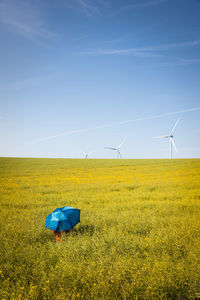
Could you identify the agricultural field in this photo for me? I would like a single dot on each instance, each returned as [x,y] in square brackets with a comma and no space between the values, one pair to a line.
[139,235]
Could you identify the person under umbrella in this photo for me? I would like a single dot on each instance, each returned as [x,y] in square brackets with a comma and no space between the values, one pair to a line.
[62,219]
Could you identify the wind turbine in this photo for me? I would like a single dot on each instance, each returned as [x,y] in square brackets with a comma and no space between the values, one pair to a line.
[171,139]
[117,149]
[88,153]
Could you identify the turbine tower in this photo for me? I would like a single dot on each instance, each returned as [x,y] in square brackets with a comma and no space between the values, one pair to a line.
[171,139]
[88,153]
[117,149]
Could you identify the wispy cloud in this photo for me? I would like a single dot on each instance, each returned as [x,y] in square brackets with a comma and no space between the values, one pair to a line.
[28,82]
[142,51]
[114,124]
[23,18]
[92,7]
[139,5]
[88,7]
[178,62]
[144,4]
[17,85]
[155,51]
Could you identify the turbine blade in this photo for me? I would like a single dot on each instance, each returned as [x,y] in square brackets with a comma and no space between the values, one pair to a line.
[121,143]
[110,148]
[160,137]
[172,140]
[175,125]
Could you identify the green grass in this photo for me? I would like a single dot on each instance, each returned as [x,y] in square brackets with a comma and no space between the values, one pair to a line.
[138,237]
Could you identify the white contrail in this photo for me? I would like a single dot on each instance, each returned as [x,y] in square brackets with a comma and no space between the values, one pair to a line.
[115,124]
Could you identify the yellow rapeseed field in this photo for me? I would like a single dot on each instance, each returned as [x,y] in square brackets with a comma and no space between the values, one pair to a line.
[139,235]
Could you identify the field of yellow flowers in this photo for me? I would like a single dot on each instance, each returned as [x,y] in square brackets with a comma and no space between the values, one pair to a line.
[139,235]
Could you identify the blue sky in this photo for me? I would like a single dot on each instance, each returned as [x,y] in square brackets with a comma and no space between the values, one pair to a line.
[80,75]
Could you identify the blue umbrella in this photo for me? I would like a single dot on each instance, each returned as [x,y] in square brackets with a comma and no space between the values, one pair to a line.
[63,218]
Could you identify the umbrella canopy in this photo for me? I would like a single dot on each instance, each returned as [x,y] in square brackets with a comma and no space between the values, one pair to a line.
[63,218]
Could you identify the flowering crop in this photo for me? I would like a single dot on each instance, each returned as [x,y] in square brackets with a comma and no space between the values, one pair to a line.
[138,237]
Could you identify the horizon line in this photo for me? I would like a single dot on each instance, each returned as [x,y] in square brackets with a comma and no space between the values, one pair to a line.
[100,158]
